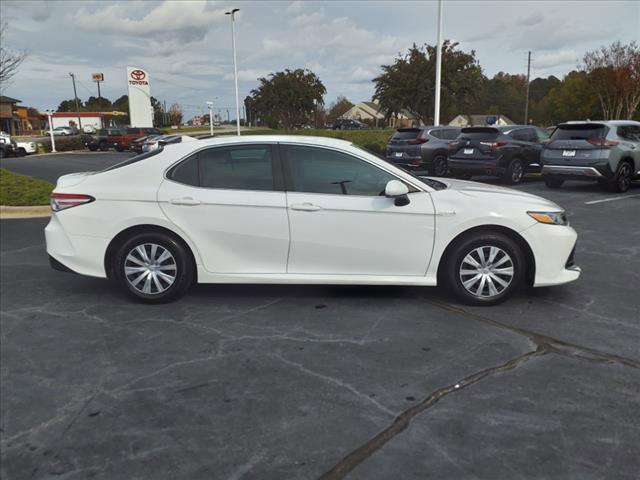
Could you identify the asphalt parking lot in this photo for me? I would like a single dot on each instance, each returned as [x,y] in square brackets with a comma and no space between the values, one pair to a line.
[274,382]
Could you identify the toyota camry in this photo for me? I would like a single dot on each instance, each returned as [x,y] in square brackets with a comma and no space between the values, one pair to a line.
[300,210]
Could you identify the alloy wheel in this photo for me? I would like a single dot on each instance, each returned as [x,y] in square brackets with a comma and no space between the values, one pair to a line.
[150,268]
[486,271]
[624,177]
[516,172]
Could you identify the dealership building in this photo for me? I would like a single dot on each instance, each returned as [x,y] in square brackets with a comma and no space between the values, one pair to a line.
[96,120]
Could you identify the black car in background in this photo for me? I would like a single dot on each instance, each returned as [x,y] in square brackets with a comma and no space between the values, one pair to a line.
[348,124]
[422,149]
[509,152]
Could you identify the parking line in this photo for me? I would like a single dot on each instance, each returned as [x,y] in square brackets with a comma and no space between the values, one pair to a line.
[612,199]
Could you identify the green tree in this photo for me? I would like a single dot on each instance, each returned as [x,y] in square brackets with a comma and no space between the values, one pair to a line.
[409,84]
[69,105]
[289,98]
[338,108]
[95,104]
[573,99]
[121,104]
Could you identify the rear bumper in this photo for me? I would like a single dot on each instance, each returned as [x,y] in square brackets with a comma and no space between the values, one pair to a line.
[485,166]
[573,171]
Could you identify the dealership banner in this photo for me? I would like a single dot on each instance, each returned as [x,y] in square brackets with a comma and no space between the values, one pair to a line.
[140,111]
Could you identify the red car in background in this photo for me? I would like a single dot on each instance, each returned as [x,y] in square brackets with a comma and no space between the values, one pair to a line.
[133,133]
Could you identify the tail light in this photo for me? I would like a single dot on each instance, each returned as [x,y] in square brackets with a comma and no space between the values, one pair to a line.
[418,141]
[62,201]
[602,142]
[494,145]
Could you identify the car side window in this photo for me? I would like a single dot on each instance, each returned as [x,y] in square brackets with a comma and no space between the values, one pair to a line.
[523,135]
[541,135]
[451,134]
[132,131]
[321,170]
[436,133]
[186,171]
[245,167]
[629,132]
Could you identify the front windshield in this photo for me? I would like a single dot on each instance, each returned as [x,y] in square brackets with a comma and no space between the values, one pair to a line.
[430,182]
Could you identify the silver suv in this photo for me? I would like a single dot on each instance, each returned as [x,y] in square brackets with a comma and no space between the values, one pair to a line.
[607,151]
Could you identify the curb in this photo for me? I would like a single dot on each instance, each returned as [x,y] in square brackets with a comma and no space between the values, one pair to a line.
[9,212]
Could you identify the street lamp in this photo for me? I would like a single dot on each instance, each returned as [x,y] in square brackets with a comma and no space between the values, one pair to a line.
[49,113]
[210,105]
[436,108]
[235,65]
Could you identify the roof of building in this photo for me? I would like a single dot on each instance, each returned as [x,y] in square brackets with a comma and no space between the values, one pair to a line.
[84,114]
[4,99]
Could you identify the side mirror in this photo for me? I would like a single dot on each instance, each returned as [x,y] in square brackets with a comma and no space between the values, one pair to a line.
[398,191]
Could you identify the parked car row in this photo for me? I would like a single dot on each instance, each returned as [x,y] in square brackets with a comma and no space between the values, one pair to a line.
[608,152]
[119,139]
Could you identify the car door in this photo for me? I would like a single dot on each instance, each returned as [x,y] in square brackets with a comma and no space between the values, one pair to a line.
[229,201]
[342,224]
[524,138]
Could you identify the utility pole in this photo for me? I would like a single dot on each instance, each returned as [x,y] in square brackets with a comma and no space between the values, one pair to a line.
[210,105]
[526,103]
[53,139]
[436,112]
[75,95]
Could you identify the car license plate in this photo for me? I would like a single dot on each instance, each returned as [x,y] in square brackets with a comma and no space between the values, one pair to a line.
[468,151]
[398,154]
[568,153]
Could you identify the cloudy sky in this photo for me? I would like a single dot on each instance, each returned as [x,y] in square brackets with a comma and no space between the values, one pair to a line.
[186,45]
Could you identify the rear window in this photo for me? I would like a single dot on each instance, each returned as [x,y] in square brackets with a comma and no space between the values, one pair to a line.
[407,134]
[479,133]
[135,159]
[579,131]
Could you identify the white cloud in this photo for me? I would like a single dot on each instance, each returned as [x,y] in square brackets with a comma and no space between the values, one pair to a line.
[553,59]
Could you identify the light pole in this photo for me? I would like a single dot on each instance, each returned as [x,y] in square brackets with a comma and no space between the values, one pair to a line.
[210,105]
[53,141]
[75,95]
[235,65]
[436,112]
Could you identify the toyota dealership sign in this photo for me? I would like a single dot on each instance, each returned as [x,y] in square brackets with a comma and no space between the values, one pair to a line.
[140,111]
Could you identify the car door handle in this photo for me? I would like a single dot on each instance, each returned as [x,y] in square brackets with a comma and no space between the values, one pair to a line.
[306,207]
[188,201]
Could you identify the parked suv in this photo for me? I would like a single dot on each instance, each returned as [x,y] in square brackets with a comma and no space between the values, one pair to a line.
[422,149]
[506,151]
[104,140]
[348,124]
[133,133]
[608,152]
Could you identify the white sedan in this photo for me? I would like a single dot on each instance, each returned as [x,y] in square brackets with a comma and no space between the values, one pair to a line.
[300,210]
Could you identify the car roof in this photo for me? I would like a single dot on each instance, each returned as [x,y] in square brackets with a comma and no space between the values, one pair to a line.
[601,122]
[305,139]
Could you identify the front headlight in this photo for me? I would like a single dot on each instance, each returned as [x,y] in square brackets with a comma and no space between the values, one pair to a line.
[550,218]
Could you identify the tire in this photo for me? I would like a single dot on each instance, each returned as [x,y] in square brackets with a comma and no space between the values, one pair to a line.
[439,166]
[514,173]
[622,179]
[553,182]
[118,148]
[173,275]
[103,147]
[482,288]
[93,148]
[2,154]
[21,152]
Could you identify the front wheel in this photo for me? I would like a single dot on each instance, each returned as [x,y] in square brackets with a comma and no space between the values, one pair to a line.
[103,147]
[153,268]
[484,269]
[439,166]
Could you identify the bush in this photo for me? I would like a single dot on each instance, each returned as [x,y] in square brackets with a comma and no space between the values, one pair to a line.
[64,144]
[20,190]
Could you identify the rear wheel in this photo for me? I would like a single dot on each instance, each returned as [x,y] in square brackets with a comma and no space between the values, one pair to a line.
[484,269]
[439,166]
[515,172]
[21,152]
[553,182]
[103,147]
[622,180]
[153,267]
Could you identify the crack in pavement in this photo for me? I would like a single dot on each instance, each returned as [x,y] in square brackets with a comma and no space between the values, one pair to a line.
[544,345]
[402,421]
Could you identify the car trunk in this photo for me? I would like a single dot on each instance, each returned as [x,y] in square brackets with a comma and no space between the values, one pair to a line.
[405,144]
[475,143]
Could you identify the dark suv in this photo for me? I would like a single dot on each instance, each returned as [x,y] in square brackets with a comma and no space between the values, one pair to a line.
[422,148]
[506,151]
[348,124]
[105,139]
[608,152]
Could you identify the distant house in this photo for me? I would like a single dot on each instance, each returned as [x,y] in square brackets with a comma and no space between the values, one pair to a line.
[372,114]
[480,121]
[10,122]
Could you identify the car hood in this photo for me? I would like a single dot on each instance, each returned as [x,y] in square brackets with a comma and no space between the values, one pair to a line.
[500,194]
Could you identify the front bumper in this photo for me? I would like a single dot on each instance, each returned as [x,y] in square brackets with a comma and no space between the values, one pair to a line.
[553,248]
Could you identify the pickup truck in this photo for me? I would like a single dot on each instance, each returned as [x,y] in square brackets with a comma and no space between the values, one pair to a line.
[133,133]
[9,147]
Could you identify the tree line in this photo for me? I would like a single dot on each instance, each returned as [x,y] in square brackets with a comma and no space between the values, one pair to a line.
[605,85]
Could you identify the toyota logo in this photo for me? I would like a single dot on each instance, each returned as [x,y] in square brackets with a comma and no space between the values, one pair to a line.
[138,74]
